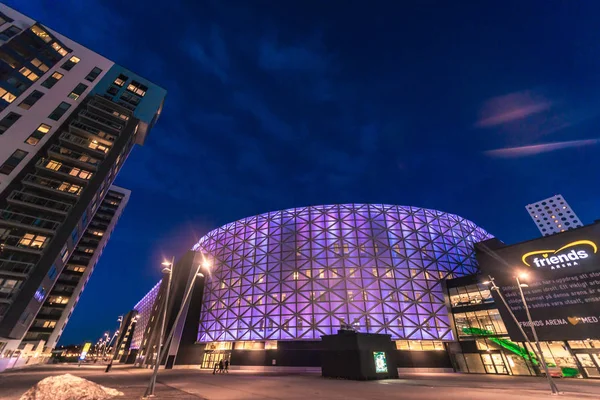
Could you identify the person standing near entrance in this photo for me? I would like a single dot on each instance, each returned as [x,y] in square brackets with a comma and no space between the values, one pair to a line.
[215,368]
[227,366]
[221,366]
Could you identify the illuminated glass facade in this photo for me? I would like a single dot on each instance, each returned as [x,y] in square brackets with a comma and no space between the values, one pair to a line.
[144,308]
[300,273]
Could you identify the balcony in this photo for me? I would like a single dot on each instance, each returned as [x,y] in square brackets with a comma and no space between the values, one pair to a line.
[110,111]
[69,279]
[104,122]
[91,146]
[73,157]
[81,259]
[90,132]
[16,243]
[48,165]
[17,269]
[29,200]
[54,186]
[18,220]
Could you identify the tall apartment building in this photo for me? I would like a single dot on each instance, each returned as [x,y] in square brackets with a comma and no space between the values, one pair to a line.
[553,215]
[69,118]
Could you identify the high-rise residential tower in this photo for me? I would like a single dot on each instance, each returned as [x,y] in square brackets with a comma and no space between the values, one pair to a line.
[553,215]
[69,118]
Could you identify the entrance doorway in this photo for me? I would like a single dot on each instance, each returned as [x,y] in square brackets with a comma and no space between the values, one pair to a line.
[590,363]
[212,357]
[494,363]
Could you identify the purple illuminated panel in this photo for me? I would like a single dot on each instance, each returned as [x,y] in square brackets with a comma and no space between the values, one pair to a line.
[300,273]
[144,309]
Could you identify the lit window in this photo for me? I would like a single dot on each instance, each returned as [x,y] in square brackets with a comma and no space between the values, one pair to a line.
[59,49]
[79,89]
[53,165]
[38,134]
[49,324]
[51,81]
[7,96]
[120,81]
[137,88]
[26,239]
[40,65]
[70,63]
[29,74]
[41,33]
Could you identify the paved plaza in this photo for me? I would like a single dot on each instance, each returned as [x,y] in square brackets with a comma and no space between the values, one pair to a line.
[197,384]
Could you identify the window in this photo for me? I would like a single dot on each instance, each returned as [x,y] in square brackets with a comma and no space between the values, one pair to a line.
[40,65]
[52,272]
[69,64]
[64,253]
[131,99]
[29,74]
[59,49]
[79,89]
[32,240]
[84,219]
[93,74]
[74,236]
[42,34]
[7,96]
[9,32]
[49,324]
[137,88]
[30,100]
[12,162]
[4,19]
[120,81]
[51,81]
[59,111]
[38,134]
[53,165]
[8,121]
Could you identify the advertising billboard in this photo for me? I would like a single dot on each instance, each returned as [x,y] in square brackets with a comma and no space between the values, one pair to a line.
[380,362]
[562,277]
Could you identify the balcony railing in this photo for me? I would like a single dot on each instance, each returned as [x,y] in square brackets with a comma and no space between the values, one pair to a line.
[91,146]
[15,268]
[56,167]
[53,186]
[91,132]
[8,217]
[27,199]
[109,110]
[74,157]
[102,121]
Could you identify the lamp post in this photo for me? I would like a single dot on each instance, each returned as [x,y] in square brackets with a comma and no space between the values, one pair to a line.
[497,289]
[553,386]
[150,389]
[168,269]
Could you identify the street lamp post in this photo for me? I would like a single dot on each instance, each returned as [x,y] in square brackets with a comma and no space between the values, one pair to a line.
[168,268]
[150,389]
[553,386]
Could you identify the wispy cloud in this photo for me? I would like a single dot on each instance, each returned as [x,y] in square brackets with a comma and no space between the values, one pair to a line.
[511,107]
[524,151]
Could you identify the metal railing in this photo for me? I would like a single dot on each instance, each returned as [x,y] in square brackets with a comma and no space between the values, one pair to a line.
[73,156]
[9,216]
[55,185]
[33,200]
[87,144]
[82,128]
[16,267]
[102,121]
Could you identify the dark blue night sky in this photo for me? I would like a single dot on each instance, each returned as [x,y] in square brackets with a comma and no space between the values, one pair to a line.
[470,107]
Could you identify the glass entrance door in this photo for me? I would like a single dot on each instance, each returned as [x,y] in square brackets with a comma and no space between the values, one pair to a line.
[494,364]
[590,363]
[212,357]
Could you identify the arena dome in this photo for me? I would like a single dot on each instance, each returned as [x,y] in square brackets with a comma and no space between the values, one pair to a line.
[299,274]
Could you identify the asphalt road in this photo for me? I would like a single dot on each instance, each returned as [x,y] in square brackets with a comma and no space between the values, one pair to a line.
[196,384]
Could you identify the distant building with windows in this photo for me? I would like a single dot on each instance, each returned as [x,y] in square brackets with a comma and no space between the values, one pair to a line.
[553,215]
[69,118]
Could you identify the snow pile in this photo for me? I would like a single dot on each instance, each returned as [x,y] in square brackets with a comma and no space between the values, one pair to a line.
[68,387]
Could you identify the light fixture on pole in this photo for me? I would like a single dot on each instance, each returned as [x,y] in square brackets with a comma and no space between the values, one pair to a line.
[168,269]
[205,264]
[520,285]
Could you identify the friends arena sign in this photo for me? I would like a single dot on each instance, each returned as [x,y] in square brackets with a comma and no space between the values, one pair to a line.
[563,283]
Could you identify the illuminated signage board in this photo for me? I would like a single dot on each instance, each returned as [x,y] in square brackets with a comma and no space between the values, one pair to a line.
[380,362]
[563,283]
[86,348]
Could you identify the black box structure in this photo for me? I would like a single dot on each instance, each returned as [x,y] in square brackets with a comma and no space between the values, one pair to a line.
[358,356]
